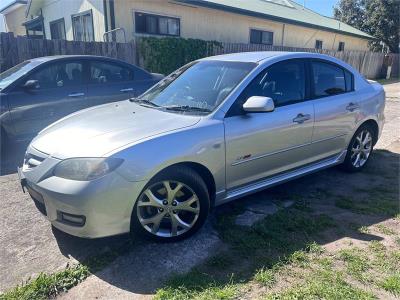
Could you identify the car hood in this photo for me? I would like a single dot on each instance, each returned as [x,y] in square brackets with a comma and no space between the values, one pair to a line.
[96,131]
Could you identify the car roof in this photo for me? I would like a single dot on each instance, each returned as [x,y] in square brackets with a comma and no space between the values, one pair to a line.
[259,56]
[55,57]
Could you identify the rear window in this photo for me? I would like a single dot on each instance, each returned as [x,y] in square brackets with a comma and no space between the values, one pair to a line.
[328,79]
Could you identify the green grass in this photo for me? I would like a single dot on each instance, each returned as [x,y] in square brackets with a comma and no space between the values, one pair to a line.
[46,286]
[385,230]
[357,263]
[385,204]
[197,285]
[323,284]
[266,277]
[256,253]
[364,230]
[392,284]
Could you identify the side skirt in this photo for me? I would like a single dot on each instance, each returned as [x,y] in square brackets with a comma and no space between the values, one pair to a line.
[281,178]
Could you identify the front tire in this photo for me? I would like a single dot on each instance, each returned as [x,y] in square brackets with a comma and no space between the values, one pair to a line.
[172,206]
[359,150]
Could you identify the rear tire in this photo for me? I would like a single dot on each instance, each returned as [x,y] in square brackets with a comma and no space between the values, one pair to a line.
[360,149]
[172,206]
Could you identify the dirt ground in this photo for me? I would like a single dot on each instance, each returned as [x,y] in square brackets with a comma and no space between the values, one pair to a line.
[28,245]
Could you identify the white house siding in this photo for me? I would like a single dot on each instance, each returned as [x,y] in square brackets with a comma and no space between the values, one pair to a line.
[56,9]
[13,21]
[210,24]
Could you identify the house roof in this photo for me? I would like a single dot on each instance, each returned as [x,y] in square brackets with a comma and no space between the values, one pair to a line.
[286,11]
[12,6]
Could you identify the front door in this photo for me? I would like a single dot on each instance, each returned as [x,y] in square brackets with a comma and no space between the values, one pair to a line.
[60,90]
[259,145]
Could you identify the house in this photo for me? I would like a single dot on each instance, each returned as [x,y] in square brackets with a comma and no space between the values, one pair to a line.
[271,22]
[14,16]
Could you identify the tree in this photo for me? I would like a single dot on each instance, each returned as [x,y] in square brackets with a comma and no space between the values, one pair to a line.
[351,12]
[379,18]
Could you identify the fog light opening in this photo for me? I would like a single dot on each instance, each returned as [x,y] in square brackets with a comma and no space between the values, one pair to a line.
[70,219]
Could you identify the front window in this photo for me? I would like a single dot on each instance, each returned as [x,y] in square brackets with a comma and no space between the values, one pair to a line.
[12,74]
[59,75]
[200,86]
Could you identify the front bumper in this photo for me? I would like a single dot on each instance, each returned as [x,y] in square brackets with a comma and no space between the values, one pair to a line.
[103,205]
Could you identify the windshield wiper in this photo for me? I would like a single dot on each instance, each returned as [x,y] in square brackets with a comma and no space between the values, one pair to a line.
[143,101]
[186,108]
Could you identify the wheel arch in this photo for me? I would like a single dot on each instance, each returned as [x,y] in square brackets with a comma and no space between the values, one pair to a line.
[374,125]
[200,169]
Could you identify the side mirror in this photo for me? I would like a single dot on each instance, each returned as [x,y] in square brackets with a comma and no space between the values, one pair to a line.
[259,104]
[31,85]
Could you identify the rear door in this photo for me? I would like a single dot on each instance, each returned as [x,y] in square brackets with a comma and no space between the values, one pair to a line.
[112,81]
[61,90]
[336,107]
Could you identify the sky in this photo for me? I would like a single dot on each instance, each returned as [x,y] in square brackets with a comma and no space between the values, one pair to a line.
[324,7]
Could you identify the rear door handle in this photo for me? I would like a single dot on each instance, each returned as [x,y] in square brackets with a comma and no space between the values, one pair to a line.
[301,118]
[74,95]
[126,90]
[352,106]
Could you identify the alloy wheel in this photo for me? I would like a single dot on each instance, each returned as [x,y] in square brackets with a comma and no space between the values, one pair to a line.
[168,208]
[361,148]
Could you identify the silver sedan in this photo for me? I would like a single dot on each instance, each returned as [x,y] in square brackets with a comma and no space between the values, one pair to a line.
[215,130]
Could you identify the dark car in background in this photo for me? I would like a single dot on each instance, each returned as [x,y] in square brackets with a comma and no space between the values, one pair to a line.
[38,92]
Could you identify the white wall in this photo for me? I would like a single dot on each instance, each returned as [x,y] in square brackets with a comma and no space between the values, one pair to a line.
[56,9]
[2,24]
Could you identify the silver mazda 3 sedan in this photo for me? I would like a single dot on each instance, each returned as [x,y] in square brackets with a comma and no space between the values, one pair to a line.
[215,130]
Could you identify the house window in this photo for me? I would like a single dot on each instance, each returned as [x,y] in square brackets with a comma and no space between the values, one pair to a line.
[341,46]
[155,24]
[261,37]
[82,26]
[57,29]
[318,44]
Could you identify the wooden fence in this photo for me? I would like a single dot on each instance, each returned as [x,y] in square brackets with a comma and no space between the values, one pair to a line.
[14,50]
[371,64]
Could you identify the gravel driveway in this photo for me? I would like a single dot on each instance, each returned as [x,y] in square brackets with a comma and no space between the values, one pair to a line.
[28,244]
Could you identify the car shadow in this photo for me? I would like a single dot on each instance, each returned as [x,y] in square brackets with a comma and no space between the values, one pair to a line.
[344,197]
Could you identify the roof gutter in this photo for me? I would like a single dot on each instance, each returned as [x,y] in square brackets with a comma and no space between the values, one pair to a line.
[269,17]
[12,4]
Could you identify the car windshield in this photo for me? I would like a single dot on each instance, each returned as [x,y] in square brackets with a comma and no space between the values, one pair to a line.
[14,73]
[198,87]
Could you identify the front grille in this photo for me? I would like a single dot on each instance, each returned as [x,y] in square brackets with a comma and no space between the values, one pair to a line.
[32,160]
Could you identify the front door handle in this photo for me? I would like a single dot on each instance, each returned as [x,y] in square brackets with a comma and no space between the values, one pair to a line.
[301,118]
[126,90]
[75,95]
[352,106]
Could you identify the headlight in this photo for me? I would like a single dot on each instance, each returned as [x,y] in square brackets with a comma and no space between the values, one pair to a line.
[85,169]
